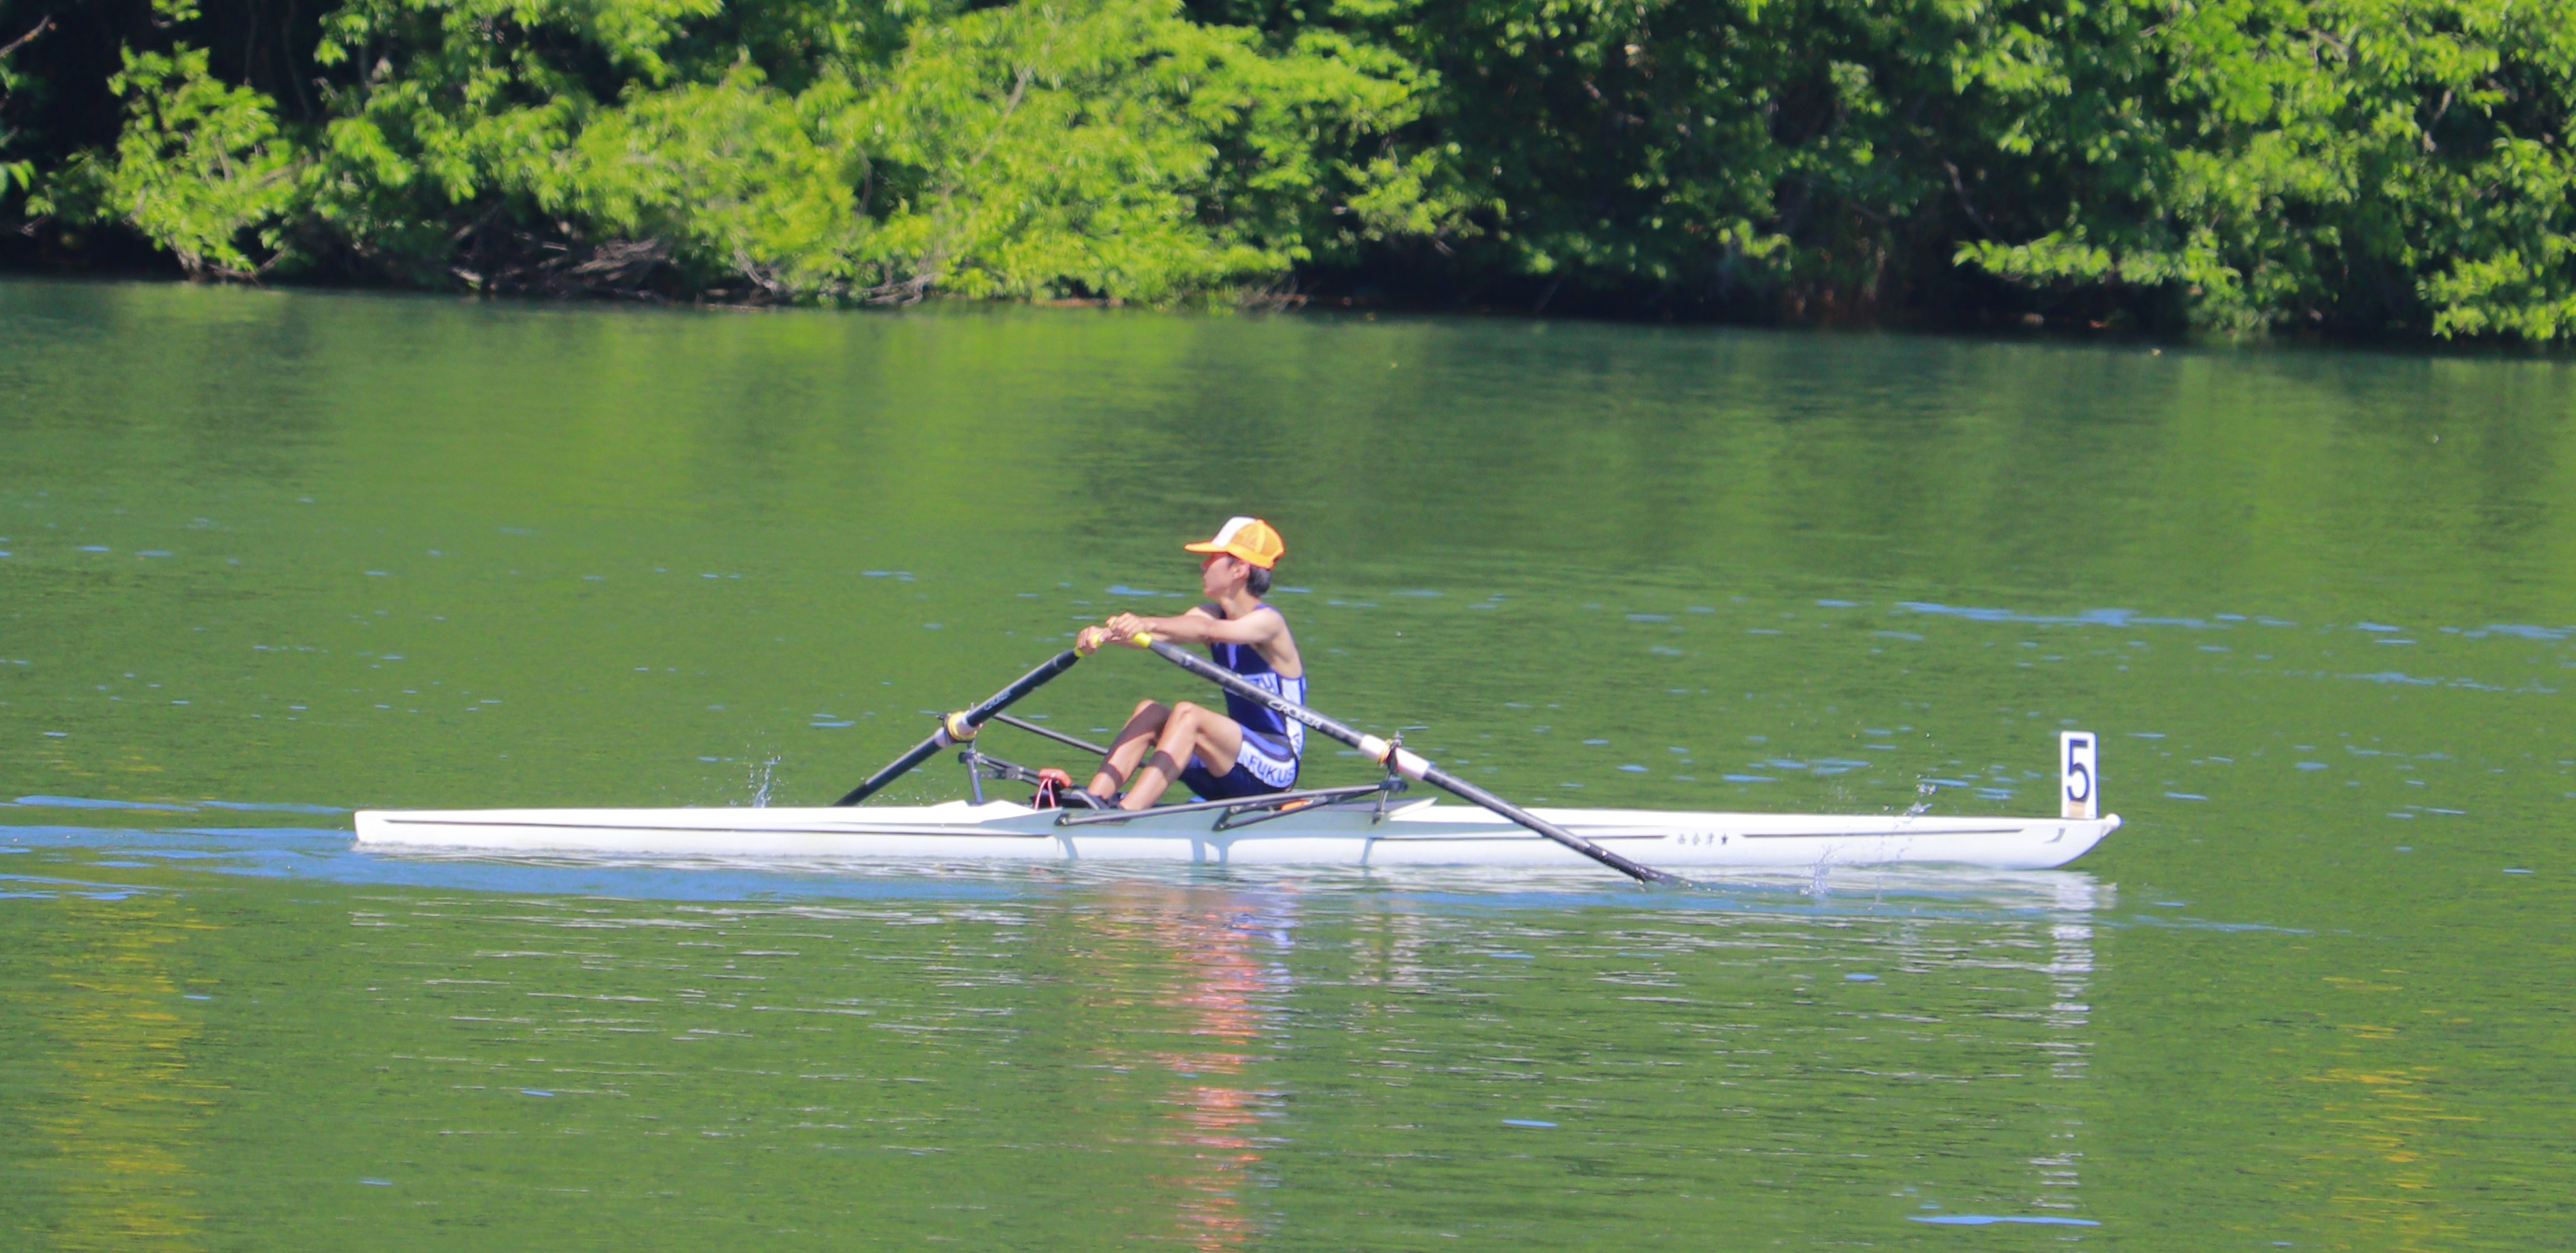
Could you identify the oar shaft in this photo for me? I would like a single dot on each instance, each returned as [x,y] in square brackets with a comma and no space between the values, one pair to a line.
[897,768]
[1405,762]
[962,725]
[1438,777]
[1052,734]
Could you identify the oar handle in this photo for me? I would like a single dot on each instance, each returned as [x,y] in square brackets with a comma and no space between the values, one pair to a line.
[1402,760]
[961,726]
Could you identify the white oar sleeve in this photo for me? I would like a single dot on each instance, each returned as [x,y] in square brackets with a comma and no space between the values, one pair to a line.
[1407,762]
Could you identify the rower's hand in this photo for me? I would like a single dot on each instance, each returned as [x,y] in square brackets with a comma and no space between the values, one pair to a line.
[1125,628]
[1089,639]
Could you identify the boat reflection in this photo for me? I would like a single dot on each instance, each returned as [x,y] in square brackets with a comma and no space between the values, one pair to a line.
[1222,981]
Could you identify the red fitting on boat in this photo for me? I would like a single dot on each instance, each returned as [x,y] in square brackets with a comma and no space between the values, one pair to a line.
[1052,784]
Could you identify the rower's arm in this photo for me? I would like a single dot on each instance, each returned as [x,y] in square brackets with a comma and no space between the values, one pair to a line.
[1198,626]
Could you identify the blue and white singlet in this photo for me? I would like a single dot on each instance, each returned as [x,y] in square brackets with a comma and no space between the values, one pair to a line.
[1271,744]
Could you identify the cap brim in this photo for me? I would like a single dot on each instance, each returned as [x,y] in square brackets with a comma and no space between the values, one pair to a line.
[1222,551]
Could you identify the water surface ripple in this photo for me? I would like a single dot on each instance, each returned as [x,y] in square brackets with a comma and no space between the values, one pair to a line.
[270,557]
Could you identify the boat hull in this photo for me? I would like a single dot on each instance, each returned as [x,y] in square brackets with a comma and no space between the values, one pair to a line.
[1417,833]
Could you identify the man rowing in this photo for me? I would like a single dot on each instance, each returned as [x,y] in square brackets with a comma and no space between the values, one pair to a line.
[1249,749]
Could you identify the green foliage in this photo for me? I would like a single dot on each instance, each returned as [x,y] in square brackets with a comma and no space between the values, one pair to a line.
[19,174]
[1048,148]
[738,175]
[2379,164]
[2358,166]
[1111,148]
[200,168]
[2364,165]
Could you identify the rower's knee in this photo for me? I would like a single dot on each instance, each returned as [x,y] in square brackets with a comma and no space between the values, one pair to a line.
[1149,705]
[1184,723]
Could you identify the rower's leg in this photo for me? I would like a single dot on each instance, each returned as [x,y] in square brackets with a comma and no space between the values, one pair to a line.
[1133,741]
[1190,730]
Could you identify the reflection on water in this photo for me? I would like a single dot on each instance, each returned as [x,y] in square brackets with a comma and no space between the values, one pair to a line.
[2384,1126]
[116,1119]
[1223,994]
[2070,970]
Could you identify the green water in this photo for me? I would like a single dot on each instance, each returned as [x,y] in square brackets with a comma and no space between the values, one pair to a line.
[271,556]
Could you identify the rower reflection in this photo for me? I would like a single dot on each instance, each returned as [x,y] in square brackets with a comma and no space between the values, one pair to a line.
[1224,994]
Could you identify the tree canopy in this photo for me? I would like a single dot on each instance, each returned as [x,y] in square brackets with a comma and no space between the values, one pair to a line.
[2368,167]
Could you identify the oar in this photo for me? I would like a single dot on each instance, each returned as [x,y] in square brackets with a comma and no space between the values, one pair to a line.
[1058,736]
[962,725]
[1405,761]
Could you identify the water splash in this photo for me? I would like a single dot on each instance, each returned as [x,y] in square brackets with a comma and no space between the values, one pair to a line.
[764,780]
[1924,790]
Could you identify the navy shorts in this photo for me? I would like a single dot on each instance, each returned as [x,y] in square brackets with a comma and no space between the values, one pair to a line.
[1237,783]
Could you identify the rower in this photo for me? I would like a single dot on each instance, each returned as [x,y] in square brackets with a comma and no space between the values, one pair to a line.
[1248,750]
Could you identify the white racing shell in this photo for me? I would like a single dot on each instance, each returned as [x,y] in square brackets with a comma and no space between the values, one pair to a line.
[1408,833]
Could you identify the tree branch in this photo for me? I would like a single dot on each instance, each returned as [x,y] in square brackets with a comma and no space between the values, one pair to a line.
[43,24]
[1962,189]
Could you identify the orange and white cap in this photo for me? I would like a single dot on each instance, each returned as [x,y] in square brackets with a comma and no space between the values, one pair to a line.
[1251,539]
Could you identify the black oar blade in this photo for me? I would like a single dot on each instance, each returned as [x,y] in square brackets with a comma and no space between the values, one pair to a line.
[1406,762]
[961,726]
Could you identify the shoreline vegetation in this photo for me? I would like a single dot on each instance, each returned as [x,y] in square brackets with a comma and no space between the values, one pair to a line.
[2390,169]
